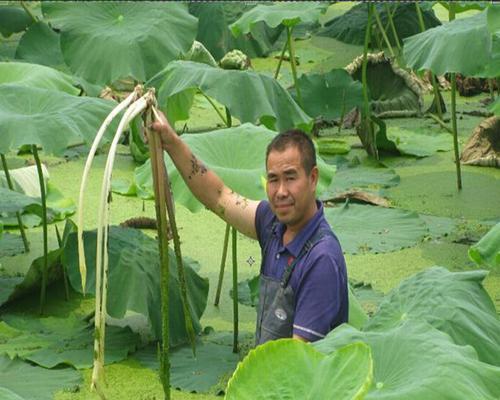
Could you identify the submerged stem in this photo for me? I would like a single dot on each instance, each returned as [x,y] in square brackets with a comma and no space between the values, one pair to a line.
[44,225]
[454,127]
[235,290]
[282,55]
[18,214]
[164,186]
[160,208]
[292,63]
[222,265]
[382,31]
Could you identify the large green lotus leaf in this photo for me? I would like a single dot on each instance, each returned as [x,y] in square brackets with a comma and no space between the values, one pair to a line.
[288,14]
[134,280]
[36,76]
[25,181]
[41,45]
[22,381]
[106,41]
[213,361]
[486,252]
[444,48]
[330,95]
[453,302]
[462,6]
[13,20]
[439,226]
[366,175]
[493,18]
[351,26]
[31,116]
[249,96]
[345,374]
[11,201]
[417,142]
[364,228]
[12,288]
[237,155]
[51,341]
[392,90]
[416,361]
[214,33]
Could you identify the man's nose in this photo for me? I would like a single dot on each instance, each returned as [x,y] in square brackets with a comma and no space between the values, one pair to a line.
[282,189]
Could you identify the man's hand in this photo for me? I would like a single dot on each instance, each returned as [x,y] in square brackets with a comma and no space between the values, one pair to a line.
[162,126]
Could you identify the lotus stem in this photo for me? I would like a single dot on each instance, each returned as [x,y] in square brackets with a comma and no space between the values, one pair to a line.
[222,266]
[83,185]
[235,291]
[382,31]
[65,277]
[282,55]
[215,108]
[342,115]
[29,12]
[164,186]
[292,64]
[18,214]
[441,122]
[393,27]
[454,127]
[44,227]
[491,87]
[160,208]
[102,235]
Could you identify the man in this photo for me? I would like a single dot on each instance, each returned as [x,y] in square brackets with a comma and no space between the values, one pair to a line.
[303,283]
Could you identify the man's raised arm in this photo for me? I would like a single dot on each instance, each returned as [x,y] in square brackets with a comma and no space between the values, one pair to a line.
[207,187]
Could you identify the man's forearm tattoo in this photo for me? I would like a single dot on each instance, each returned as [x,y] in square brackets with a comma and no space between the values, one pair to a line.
[240,200]
[197,167]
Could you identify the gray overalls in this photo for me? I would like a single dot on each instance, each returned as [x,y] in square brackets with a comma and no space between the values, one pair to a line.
[276,309]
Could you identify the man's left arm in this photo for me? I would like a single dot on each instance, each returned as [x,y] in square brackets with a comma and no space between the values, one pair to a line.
[319,299]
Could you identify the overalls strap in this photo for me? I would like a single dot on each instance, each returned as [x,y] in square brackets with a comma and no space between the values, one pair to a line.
[320,233]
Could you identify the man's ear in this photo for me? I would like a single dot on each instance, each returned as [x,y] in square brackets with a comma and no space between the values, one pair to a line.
[314,176]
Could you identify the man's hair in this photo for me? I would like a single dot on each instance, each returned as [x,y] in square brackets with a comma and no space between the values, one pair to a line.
[298,139]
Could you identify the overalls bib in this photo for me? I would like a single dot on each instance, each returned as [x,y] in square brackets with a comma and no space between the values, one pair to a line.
[276,298]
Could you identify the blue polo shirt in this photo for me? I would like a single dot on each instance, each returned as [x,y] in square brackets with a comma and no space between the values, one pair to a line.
[319,279]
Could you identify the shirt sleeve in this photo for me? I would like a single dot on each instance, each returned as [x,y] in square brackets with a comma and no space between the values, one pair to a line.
[318,298]
[263,218]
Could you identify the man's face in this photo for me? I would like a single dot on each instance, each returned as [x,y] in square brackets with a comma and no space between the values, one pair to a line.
[291,192]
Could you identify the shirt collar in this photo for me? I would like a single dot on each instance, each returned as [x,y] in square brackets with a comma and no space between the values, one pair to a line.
[298,242]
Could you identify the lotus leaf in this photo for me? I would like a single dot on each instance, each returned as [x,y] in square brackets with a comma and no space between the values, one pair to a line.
[35,76]
[31,116]
[416,361]
[13,20]
[350,27]
[393,91]
[345,374]
[237,155]
[194,374]
[214,33]
[22,381]
[134,280]
[41,45]
[367,175]
[363,228]
[330,95]
[103,42]
[249,96]
[487,251]
[416,142]
[11,201]
[441,49]
[453,302]
[51,341]
[462,6]
[439,226]
[288,14]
